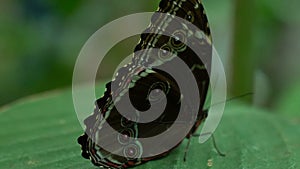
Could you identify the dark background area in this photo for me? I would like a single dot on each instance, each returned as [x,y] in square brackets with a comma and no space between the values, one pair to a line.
[258,42]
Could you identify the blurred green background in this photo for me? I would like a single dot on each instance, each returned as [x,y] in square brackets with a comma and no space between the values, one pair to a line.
[257,40]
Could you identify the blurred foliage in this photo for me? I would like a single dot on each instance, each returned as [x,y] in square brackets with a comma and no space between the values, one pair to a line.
[287,104]
[243,59]
[40,40]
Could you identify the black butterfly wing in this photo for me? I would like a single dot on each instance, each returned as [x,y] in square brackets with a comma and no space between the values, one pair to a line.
[140,77]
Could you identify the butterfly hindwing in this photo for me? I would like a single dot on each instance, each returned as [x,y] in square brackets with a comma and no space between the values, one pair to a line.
[142,82]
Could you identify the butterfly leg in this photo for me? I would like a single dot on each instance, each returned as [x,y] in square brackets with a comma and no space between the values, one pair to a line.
[216,147]
[202,116]
[186,149]
[214,143]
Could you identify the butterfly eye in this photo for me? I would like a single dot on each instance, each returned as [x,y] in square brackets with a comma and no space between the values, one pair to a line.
[125,136]
[132,151]
[178,40]
[165,52]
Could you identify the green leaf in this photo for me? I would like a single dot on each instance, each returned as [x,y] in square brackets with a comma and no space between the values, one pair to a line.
[41,132]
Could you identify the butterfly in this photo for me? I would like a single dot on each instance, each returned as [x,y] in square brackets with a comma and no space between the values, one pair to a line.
[147,87]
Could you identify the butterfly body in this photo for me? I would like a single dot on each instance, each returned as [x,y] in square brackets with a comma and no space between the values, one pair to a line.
[143,82]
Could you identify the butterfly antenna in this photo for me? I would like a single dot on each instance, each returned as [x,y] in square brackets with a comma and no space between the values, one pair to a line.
[216,147]
[232,98]
[240,96]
